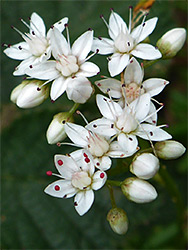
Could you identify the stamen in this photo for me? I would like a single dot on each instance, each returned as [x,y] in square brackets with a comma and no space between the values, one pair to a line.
[130,18]
[94,53]
[104,40]
[141,27]
[147,117]
[160,103]
[49,173]
[112,11]
[79,113]
[19,32]
[68,37]
[68,144]
[35,27]
[105,22]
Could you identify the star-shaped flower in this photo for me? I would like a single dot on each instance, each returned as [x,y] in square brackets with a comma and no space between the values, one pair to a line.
[125,42]
[70,69]
[77,178]
[36,47]
[126,123]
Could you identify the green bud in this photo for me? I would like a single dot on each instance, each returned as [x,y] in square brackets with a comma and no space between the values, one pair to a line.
[169,150]
[118,221]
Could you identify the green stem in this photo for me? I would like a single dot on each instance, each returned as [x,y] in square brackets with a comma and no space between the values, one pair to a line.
[73,109]
[112,199]
[113,183]
[149,63]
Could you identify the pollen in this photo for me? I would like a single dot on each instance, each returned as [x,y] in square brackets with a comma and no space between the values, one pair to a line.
[87,160]
[49,173]
[102,175]
[57,188]
[60,162]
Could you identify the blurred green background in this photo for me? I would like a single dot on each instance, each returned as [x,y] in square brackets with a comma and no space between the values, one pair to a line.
[33,220]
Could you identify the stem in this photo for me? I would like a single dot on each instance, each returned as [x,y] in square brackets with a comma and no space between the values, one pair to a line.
[149,63]
[113,183]
[112,199]
[73,109]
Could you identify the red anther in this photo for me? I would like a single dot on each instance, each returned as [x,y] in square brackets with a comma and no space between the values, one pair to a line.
[130,7]
[101,16]
[90,29]
[66,25]
[52,26]
[102,175]
[58,144]
[57,188]
[98,164]
[49,173]
[85,155]
[112,9]
[60,162]
[52,101]
[87,160]
[12,27]
[99,84]
[99,37]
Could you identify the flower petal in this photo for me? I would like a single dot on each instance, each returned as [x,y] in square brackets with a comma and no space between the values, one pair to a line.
[154,86]
[108,108]
[78,134]
[110,84]
[147,29]
[66,166]
[103,163]
[116,25]
[152,115]
[58,87]
[115,150]
[148,131]
[37,25]
[61,189]
[79,89]
[59,44]
[104,45]
[99,179]
[23,66]
[82,46]
[146,51]
[83,201]
[60,25]
[128,143]
[88,69]
[43,71]
[133,72]
[117,63]
[19,51]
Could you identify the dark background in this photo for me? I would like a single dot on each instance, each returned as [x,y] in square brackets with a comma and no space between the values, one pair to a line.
[33,220]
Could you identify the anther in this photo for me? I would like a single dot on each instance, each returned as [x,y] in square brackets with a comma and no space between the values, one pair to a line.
[100,38]
[38,89]
[112,126]
[65,196]
[49,173]
[90,29]
[128,43]
[57,188]
[52,26]
[33,33]
[85,155]
[52,101]
[112,9]
[102,175]
[66,25]
[87,160]
[75,204]
[143,24]
[151,133]
[123,85]
[63,121]
[94,125]
[97,51]
[99,84]
[101,16]
[58,144]
[98,164]
[108,90]
[30,66]
[130,7]
[20,47]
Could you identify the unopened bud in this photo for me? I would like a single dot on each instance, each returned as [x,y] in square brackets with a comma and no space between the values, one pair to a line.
[138,190]
[169,150]
[16,91]
[145,166]
[56,130]
[31,95]
[171,42]
[118,221]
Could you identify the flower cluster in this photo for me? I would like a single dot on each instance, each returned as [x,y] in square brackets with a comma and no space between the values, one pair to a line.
[127,106]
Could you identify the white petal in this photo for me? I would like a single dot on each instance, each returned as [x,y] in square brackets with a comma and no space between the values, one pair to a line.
[20,54]
[66,166]
[108,108]
[133,72]
[115,150]
[78,134]
[46,55]
[58,87]
[37,25]
[61,189]
[82,46]
[117,63]
[110,84]
[147,29]
[146,51]
[103,127]
[154,86]
[23,66]
[59,44]
[104,45]
[148,131]
[79,89]
[83,201]
[103,163]
[116,25]
[60,25]
[99,179]
[88,69]
[43,71]
[153,118]
[141,106]
[128,143]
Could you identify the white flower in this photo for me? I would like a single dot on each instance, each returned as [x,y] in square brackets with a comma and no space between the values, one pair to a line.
[69,70]
[126,123]
[77,178]
[99,146]
[124,43]
[137,190]
[36,47]
[145,166]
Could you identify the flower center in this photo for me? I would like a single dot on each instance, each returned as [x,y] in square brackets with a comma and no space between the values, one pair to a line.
[133,91]
[81,180]
[37,45]
[126,122]
[67,65]
[97,145]
[124,42]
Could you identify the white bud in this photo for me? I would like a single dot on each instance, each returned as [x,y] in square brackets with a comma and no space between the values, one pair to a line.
[137,190]
[16,91]
[56,130]
[169,150]
[118,220]
[145,166]
[31,95]
[171,42]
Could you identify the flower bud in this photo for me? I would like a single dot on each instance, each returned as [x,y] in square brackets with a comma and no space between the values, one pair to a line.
[31,95]
[145,166]
[118,221]
[138,190]
[56,130]
[171,42]
[16,91]
[169,150]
